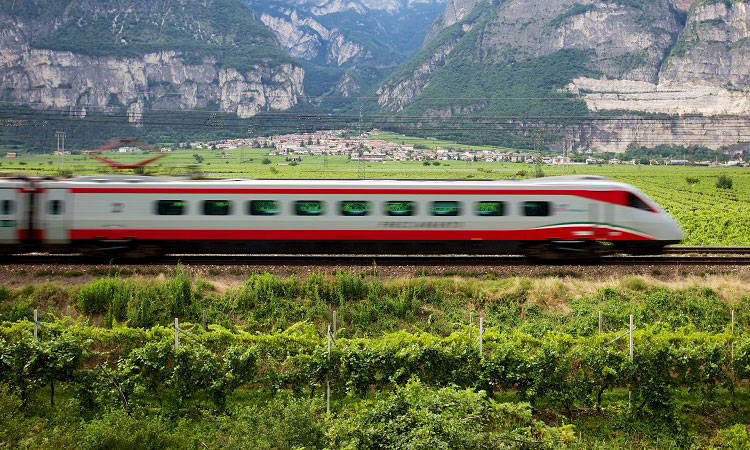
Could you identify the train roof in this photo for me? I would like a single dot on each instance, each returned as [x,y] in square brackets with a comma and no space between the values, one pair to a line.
[575,181]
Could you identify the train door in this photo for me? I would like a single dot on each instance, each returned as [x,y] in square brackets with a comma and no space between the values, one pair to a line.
[54,213]
[10,215]
[601,216]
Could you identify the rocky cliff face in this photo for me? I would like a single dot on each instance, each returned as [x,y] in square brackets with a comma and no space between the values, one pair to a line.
[98,79]
[455,11]
[64,80]
[706,72]
[714,47]
[661,56]
[623,39]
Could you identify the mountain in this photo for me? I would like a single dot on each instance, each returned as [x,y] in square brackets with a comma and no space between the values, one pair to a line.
[522,61]
[86,56]
[348,46]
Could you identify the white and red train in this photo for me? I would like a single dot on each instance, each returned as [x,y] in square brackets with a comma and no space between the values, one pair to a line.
[139,216]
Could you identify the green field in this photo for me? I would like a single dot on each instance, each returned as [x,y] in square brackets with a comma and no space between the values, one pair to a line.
[709,215]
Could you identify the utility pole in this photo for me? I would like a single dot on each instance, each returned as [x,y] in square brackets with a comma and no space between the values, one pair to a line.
[360,167]
[538,145]
[60,150]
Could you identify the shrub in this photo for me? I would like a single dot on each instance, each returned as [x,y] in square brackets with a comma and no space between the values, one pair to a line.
[692,180]
[734,437]
[418,417]
[266,161]
[724,182]
[117,430]
[97,296]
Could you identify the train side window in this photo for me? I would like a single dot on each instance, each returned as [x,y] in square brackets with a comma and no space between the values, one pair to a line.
[7,207]
[354,208]
[635,202]
[446,208]
[217,208]
[308,208]
[537,209]
[263,207]
[55,207]
[170,207]
[399,208]
[490,208]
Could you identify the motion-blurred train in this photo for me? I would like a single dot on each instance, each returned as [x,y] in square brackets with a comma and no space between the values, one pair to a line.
[139,216]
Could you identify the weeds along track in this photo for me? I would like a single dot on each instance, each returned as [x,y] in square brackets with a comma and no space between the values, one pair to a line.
[720,256]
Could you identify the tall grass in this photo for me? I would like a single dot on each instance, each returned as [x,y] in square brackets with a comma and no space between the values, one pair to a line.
[368,305]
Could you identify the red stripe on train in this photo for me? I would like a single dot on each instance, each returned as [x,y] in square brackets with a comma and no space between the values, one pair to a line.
[34,234]
[566,233]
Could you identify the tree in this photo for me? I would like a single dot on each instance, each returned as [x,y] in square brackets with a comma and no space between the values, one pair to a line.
[266,161]
[56,360]
[724,182]
[14,368]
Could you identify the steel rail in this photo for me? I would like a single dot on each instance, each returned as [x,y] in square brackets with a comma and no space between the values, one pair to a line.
[707,250]
[378,260]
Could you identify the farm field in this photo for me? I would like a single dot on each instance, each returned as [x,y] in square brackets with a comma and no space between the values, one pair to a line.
[709,215]
[405,367]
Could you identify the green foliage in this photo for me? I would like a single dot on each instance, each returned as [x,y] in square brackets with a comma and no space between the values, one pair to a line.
[118,430]
[14,359]
[196,370]
[100,295]
[735,437]
[228,31]
[724,182]
[692,180]
[286,422]
[266,161]
[27,365]
[147,370]
[418,417]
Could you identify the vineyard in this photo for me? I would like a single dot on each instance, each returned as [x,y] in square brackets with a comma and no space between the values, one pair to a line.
[407,364]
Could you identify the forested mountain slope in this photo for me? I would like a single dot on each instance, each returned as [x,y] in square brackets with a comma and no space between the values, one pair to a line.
[557,59]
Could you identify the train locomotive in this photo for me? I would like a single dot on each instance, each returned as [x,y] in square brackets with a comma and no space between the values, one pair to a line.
[141,216]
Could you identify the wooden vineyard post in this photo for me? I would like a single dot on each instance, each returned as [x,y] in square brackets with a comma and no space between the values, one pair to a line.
[481,336]
[600,321]
[732,335]
[631,356]
[334,324]
[176,334]
[205,327]
[328,380]
[35,325]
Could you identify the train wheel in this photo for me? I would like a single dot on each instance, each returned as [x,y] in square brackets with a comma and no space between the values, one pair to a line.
[565,251]
[123,251]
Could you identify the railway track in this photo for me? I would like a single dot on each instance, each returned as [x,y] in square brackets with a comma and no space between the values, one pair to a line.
[673,256]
